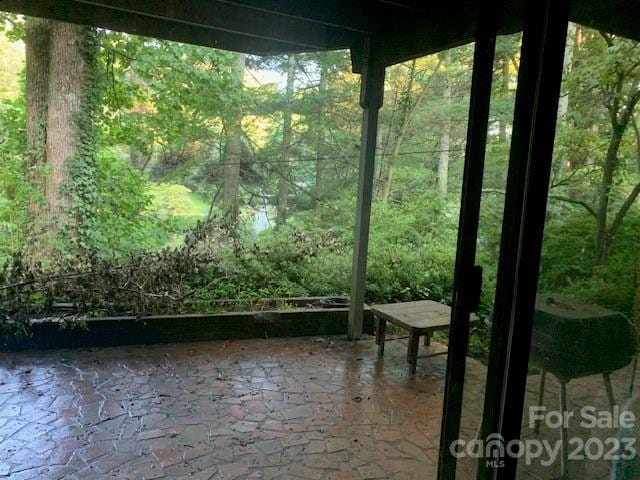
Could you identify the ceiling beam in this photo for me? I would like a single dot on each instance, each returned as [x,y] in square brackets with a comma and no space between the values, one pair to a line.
[225,17]
[352,15]
[430,35]
[84,14]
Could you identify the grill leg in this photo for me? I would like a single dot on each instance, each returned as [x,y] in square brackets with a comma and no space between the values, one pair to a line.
[633,374]
[609,389]
[564,433]
[381,327]
[543,377]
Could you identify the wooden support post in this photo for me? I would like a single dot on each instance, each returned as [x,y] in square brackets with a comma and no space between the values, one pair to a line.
[467,281]
[371,94]
[539,78]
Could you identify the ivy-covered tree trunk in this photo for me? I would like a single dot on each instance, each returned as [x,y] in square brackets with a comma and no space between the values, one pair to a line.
[233,152]
[285,148]
[61,99]
[67,77]
[37,88]
[37,32]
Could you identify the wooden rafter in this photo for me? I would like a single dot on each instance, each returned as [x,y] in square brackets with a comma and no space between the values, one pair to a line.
[225,17]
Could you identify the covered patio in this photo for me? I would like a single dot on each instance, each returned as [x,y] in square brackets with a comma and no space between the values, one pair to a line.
[298,408]
[312,408]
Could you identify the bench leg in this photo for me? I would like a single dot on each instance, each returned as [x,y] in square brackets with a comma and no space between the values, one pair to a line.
[381,327]
[427,339]
[412,352]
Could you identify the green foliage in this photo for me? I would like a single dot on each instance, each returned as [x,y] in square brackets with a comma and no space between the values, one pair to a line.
[122,222]
[11,60]
[164,95]
[15,190]
[411,254]
[152,167]
[568,267]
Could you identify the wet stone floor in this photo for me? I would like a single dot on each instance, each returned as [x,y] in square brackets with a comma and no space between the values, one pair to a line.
[298,408]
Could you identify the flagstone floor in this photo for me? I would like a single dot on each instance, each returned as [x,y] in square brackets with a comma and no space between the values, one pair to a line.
[297,408]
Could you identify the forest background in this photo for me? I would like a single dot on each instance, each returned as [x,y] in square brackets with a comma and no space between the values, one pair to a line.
[141,175]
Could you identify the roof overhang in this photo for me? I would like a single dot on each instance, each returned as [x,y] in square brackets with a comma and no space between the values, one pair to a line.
[403,29]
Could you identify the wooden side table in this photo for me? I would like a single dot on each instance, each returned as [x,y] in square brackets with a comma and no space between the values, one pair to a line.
[420,318]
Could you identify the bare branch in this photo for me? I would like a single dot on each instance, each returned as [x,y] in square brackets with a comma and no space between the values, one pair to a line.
[560,198]
[617,221]
[580,203]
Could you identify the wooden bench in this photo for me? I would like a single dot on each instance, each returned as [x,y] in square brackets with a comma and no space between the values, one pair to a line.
[420,318]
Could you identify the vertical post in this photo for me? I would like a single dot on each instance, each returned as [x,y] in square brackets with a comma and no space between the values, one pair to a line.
[371,95]
[467,283]
[539,78]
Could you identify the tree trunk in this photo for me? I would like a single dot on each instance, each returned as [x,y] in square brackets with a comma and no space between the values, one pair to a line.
[563,104]
[506,78]
[320,129]
[67,76]
[406,107]
[285,148]
[609,168]
[37,32]
[636,302]
[37,88]
[233,153]
[445,140]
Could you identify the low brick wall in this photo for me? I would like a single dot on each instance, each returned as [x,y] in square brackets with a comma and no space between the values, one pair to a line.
[111,331]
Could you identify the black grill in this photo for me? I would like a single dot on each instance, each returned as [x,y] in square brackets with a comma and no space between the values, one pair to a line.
[572,339]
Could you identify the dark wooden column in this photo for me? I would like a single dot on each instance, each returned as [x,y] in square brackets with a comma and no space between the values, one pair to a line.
[539,77]
[467,277]
[371,95]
